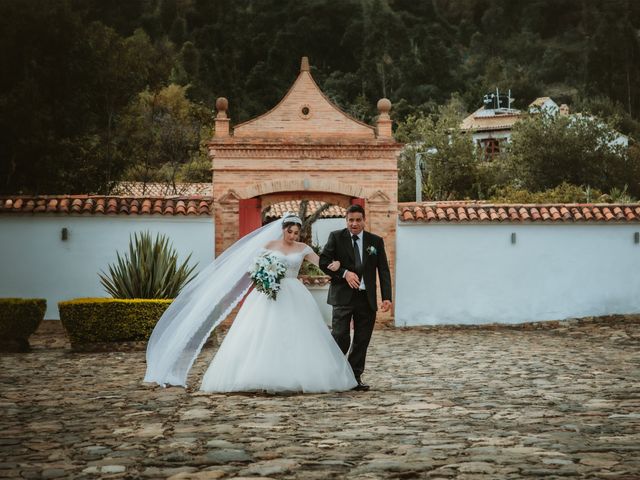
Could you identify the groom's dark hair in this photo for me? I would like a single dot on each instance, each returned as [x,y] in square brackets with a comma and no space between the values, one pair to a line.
[355,209]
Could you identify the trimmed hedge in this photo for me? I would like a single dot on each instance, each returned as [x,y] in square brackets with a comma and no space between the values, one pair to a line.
[89,321]
[19,318]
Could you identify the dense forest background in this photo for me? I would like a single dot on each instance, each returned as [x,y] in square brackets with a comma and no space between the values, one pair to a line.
[94,91]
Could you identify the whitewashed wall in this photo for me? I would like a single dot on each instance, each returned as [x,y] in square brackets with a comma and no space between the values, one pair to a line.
[473,274]
[500,135]
[37,263]
[321,229]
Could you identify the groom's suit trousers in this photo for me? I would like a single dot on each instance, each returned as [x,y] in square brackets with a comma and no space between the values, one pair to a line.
[364,319]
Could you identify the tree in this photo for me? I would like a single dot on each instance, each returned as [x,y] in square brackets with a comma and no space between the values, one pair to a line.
[65,82]
[163,132]
[548,149]
[451,165]
[308,219]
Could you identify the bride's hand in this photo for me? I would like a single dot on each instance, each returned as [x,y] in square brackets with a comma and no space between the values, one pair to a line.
[334,266]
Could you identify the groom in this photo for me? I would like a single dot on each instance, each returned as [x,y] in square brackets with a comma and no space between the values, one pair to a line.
[353,286]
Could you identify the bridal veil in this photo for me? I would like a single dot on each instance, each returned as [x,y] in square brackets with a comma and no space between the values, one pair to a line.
[202,305]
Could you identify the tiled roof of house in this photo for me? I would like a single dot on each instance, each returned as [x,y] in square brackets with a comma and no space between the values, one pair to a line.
[277,210]
[107,205]
[429,212]
[157,189]
[480,121]
[457,212]
[141,205]
[540,101]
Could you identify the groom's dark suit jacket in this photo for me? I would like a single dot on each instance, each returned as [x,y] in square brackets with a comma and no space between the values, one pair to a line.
[340,247]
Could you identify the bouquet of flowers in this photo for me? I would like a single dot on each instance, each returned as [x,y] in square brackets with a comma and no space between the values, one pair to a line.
[266,273]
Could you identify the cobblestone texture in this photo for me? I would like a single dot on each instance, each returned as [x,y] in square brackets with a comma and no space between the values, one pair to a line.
[463,403]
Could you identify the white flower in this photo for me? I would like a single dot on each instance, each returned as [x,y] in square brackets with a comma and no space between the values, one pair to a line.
[272,269]
[266,274]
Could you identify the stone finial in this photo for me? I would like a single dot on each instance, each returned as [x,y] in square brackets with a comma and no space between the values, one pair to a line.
[304,64]
[384,123]
[222,104]
[222,121]
[384,106]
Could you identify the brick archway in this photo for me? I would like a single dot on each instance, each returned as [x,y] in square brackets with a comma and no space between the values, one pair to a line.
[303,148]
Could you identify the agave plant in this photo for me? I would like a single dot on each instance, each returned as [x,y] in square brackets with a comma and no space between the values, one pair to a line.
[149,270]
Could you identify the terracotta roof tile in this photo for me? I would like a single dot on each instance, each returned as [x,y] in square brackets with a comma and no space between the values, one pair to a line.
[101,205]
[608,213]
[430,214]
[40,206]
[575,212]
[482,120]
[436,212]
[277,210]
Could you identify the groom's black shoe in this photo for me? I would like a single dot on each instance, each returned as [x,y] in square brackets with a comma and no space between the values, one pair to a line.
[361,387]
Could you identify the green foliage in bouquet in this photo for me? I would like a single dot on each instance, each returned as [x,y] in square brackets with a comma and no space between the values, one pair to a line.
[90,321]
[149,270]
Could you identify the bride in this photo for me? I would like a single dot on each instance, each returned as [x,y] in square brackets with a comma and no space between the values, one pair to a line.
[280,345]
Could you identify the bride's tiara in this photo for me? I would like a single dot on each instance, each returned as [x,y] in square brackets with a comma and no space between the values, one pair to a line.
[291,218]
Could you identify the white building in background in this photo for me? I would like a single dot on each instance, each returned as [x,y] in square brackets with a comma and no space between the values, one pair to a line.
[478,264]
[490,126]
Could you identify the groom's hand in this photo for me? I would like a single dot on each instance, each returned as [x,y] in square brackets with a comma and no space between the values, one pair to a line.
[352,279]
[386,305]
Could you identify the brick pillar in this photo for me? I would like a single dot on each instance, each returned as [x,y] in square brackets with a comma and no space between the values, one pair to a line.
[381,220]
[384,123]
[227,214]
[222,121]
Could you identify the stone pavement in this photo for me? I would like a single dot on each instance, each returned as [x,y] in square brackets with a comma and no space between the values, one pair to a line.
[446,403]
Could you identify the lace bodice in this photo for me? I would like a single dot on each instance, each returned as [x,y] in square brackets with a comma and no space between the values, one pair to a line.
[293,260]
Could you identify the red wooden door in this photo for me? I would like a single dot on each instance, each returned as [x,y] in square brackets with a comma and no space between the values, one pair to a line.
[250,215]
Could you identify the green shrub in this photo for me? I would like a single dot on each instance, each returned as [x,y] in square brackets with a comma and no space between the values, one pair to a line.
[149,270]
[310,269]
[19,318]
[106,320]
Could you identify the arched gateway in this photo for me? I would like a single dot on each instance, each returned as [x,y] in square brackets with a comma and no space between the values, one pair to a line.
[303,148]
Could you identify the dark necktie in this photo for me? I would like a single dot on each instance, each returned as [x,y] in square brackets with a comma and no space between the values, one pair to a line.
[356,252]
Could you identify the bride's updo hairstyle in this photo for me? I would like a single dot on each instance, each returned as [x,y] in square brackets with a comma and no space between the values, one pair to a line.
[291,220]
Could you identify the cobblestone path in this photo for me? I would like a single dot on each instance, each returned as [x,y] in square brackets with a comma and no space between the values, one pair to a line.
[445,403]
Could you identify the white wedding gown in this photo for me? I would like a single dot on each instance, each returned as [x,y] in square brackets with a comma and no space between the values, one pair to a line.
[280,345]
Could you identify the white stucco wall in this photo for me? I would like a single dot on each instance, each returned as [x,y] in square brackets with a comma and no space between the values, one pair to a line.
[473,274]
[482,135]
[37,263]
[321,229]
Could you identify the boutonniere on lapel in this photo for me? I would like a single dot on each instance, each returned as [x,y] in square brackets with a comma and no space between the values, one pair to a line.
[371,250]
